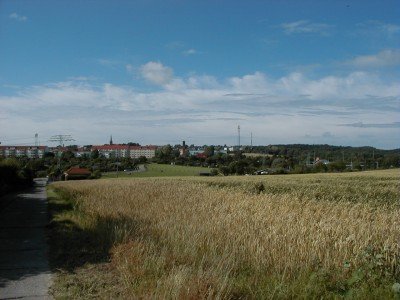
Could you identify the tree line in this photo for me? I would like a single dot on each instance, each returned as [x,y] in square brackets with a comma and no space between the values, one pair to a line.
[279,159]
[273,159]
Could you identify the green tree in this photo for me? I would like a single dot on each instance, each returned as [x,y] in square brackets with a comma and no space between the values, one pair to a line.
[209,151]
[225,170]
[94,154]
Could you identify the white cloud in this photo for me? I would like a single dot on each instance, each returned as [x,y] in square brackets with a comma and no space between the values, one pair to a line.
[305,26]
[390,28]
[182,48]
[203,110]
[190,52]
[18,17]
[81,78]
[129,68]
[157,73]
[389,57]
[111,63]
[175,45]
[378,28]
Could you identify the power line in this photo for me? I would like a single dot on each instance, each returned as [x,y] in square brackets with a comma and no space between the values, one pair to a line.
[17,139]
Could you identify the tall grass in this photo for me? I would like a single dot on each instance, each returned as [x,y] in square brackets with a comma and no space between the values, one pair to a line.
[221,238]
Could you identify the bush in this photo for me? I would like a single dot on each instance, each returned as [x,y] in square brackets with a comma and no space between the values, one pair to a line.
[214,172]
[259,187]
[96,174]
[13,176]
[42,173]
[224,170]
[9,170]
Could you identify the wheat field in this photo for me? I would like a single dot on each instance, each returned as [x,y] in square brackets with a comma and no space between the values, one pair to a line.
[294,236]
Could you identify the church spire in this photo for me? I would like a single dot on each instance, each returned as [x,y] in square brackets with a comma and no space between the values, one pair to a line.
[111,142]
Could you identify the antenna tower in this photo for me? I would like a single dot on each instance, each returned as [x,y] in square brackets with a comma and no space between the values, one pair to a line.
[239,137]
[36,140]
[61,138]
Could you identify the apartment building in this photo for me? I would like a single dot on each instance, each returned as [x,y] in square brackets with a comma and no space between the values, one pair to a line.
[119,151]
[146,151]
[122,151]
[23,151]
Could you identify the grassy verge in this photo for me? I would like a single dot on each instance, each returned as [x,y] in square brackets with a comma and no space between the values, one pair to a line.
[191,239]
[79,251]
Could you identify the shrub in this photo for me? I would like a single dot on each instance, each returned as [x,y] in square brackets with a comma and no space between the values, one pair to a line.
[214,172]
[12,175]
[96,174]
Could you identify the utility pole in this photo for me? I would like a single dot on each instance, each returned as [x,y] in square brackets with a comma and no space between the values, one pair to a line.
[117,165]
[251,139]
[373,158]
[36,140]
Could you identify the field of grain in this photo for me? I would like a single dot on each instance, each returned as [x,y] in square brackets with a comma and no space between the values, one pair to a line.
[293,236]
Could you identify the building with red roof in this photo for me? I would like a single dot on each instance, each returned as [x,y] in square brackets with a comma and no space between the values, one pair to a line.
[77,173]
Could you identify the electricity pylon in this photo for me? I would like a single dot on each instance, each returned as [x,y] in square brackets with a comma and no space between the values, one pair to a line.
[61,138]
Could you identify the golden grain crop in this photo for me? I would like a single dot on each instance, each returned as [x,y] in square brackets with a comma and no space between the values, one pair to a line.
[218,237]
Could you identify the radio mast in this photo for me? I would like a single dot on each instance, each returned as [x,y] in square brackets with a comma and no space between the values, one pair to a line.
[238,137]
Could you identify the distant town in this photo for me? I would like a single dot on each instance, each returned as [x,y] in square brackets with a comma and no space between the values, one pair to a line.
[309,155]
[111,150]
[108,151]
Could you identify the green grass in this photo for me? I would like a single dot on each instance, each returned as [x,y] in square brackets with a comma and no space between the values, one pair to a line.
[161,170]
[80,245]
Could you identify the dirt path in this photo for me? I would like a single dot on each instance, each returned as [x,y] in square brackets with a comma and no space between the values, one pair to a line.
[24,267]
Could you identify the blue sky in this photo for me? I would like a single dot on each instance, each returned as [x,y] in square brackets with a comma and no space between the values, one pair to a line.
[158,72]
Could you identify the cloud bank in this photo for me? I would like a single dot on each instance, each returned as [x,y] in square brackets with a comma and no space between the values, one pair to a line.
[385,58]
[359,108]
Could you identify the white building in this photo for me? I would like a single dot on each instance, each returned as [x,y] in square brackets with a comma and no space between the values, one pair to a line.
[113,150]
[122,151]
[23,151]
[146,151]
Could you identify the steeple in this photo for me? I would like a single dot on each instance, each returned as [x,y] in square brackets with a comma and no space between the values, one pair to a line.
[111,142]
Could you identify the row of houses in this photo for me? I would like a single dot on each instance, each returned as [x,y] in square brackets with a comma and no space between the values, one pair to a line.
[23,151]
[108,151]
[198,151]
